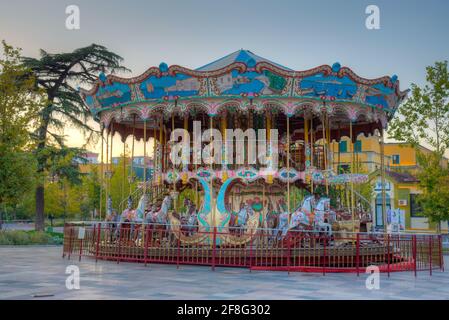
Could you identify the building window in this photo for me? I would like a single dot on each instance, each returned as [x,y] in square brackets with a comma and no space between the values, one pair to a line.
[396,159]
[343,146]
[415,208]
[379,205]
[358,146]
[344,168]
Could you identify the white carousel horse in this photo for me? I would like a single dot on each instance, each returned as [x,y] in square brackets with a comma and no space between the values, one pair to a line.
[140,210]
[323,213]
[302,215]
[161,216]
[190,224]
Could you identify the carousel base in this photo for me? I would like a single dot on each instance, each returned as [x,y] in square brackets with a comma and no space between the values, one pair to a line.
[300,252]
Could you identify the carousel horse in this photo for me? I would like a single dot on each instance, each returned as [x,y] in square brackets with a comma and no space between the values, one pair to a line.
[189,224]
[324,217]
[300,219]
[160,217]
[282,226]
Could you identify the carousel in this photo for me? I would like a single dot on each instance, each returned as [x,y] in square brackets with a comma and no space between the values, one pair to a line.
[307,197]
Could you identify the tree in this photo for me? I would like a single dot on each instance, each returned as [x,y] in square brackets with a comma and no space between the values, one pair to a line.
[424,117]
[434,180]
[19,102]
[119,185]
[58,75]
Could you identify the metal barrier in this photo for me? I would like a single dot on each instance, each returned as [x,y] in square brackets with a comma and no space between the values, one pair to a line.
[260,249]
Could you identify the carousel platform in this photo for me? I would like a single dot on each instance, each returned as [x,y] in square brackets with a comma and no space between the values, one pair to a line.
[295,252]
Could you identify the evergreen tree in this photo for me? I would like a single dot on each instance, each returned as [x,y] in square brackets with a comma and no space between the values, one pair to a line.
[58,75]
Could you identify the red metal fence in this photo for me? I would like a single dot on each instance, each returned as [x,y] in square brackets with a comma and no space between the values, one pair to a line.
[263,249]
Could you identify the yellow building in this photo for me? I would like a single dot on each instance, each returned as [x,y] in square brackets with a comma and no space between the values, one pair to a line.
[401,184]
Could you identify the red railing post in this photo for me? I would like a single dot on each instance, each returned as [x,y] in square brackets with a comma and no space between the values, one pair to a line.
[357,254]
[70,243]
[145,245]
[289,237]
[324,255]
[98,242]
[179,248]
[440,249]
[388,255]
[214,244]
[251,251]
[64,246]
[414,254]
[81,249]
[430,255]
[118,242]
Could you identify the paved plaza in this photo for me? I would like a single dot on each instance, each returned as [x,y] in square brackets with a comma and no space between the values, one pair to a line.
[38,272]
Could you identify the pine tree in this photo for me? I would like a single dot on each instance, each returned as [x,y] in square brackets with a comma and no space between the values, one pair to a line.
[59,75]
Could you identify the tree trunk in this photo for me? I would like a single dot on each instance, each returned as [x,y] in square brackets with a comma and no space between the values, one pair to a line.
[40,214]
[41,162]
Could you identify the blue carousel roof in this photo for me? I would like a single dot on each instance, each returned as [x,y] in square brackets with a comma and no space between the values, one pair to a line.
[244,56]
[242,76]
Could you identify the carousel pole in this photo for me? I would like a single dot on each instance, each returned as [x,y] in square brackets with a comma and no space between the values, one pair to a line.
[124,172]
[185,165]
[106,181]
[132,156]
[311,150]
[110,162]
[144,156]
[325,152]
[153,180]
[352,171]
[144,177]
[161,157]
[224,173]
[288,167]
[101,172]
[196,180]
[382,172]
[173,165]
[306,140]
[211,121]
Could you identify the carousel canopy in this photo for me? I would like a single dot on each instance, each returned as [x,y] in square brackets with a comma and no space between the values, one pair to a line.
[244,81]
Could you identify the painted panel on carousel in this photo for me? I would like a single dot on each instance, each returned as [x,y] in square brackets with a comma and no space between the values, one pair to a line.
[251,82]
[180,85]
[247,174]
[331,86]
[110,95]
[381,96]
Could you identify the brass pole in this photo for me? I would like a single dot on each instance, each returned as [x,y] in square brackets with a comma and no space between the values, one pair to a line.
[110,163]
[382,172]
[325,152]
[124,172]
[144,176]
[311,150]
[211,120]
[352,171]
[106,181]
[101,172]
[173,165]
[288,167]
[132,156]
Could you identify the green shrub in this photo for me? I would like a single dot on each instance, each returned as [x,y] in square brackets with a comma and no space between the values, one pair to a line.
[20,237]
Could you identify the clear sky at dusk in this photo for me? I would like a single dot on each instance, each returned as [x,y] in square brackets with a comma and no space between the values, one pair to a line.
[297,34]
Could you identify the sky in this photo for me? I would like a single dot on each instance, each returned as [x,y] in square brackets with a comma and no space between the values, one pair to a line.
[297,34]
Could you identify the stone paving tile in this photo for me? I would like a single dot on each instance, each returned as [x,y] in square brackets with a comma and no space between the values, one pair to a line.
[25,271]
